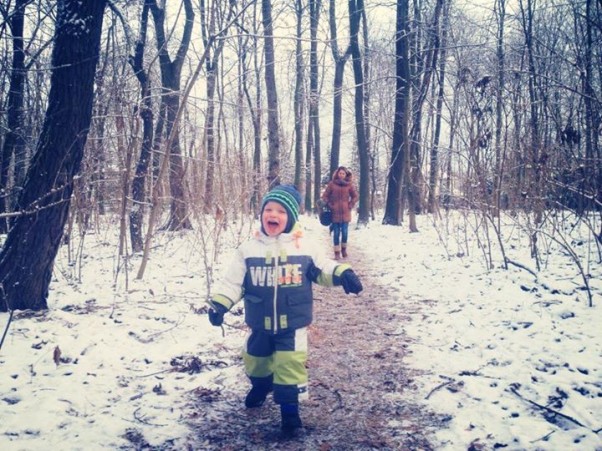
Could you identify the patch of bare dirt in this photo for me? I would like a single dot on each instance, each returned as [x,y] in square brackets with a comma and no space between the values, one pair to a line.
[360,389]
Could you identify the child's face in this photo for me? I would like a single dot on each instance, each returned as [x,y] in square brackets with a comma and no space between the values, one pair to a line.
[274,218]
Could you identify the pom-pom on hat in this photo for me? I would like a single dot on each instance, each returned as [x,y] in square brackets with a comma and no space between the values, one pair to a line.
[289,198]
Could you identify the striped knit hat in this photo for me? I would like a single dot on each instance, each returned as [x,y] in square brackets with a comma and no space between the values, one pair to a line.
[289,198]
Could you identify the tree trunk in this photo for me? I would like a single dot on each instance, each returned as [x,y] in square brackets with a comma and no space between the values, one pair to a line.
[309,142]
[314,98]
[423,81]
[337,103]
[497,175]
[400,144]
[255,110]
[298,101]
[210,125]
[272,96]
[27,257]
[536,193]
[146,114]
[434,166]
[593,164]
[170,80]
[355,15]
[14,142]
[208,28]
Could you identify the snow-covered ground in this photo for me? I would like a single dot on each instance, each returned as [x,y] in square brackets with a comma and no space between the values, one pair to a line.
[513,360]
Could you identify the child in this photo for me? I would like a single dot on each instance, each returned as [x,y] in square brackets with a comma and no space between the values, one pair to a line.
[274,272]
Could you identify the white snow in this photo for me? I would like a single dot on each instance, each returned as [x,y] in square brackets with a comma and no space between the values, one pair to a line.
[489,344]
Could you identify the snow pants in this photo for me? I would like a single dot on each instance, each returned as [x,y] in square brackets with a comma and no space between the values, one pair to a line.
[277,361]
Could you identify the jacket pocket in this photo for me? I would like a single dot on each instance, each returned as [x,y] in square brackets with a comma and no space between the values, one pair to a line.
[299,310]
[255,311]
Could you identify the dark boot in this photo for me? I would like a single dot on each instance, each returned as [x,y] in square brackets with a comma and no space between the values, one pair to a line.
[344,250]
[256,397]
[291,422]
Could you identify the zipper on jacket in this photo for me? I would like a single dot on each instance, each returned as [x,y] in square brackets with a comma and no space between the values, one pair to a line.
[276,279]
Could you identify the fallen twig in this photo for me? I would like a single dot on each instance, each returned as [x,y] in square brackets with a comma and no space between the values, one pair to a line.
[10,315]
[546,408]
[10,319]
[340,399]
[544,438]
[438,387]
[143,420]
[520,265]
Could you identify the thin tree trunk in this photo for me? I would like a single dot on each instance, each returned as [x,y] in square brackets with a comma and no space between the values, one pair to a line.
[497,175]
[536,189]
[256,117]
[434,166]
[146,114]
[355,14]
[170,80]
[208,27]
[337,103]
[593,162]
[272,96]
[299,103]
[14,142]
[415,186]
[314,98]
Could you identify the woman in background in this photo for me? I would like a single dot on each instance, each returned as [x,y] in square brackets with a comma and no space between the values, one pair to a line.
[341,196]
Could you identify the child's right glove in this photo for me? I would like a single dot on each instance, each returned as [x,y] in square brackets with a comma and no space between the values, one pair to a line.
[216,313]
[351,282]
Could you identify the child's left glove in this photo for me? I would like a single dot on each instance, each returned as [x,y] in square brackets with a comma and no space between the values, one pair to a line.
[216,313]
[351,282]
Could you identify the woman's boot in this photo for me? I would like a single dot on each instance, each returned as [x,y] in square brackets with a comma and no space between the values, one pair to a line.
[344,250]
[337,252]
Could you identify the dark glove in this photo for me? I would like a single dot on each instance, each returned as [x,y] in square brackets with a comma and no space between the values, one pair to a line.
[351,282]
[216,313]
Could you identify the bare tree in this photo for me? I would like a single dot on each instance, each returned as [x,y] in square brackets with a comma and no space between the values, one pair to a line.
[340,59]
[146,114]
[425,66]
[500,9]
[254,104]
[171,71]
[299,108]
[537,159]
[314,97]
[434,160]
[28,254]
[356,8]
[14,142]
[272,95]
[399,169]
[211,21]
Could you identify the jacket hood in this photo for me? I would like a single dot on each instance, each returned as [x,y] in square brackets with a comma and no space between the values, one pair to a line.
[347,179]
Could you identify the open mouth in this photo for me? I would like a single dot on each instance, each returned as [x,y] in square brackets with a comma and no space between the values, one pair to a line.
[272,225]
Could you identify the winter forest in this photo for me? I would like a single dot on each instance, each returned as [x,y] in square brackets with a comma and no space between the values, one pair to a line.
[158,113]
[147,119]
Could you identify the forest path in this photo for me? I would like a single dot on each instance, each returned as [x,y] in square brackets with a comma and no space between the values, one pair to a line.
[358,384]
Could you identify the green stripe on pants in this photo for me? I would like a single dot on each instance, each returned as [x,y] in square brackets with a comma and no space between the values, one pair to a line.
[257,366]
[289,367]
